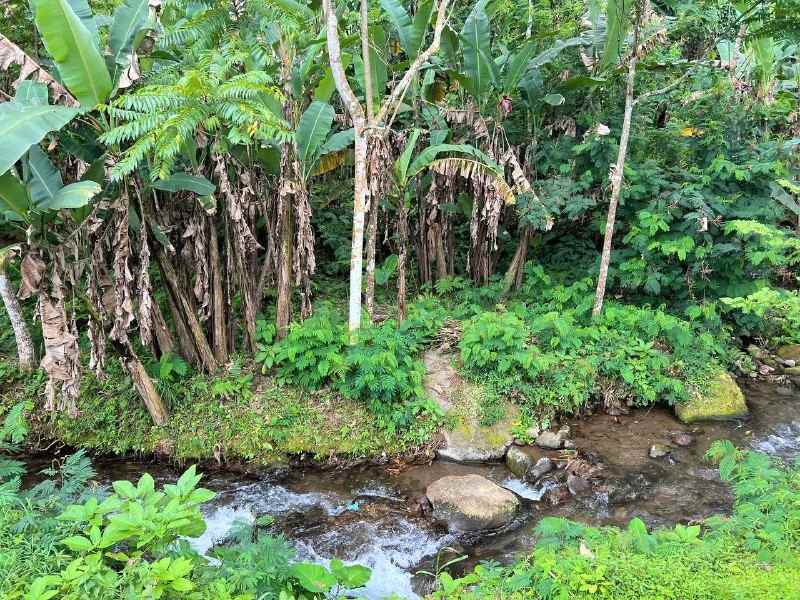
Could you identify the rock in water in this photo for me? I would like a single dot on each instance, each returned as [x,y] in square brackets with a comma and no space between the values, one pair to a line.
[790,352]
[721,400]
[543,466]
[550,440]
[577,485]
[518,461]
[471,503]
[658,450]
[683,439]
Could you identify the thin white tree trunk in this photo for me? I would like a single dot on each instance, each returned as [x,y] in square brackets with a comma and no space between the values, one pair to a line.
[616,175]
[21,334]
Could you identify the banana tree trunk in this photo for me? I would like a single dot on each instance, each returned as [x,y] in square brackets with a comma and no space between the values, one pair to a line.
[184,310]
[284,282]
[22,336]
[218,333]
[372,235]
[513,276]
[402,253]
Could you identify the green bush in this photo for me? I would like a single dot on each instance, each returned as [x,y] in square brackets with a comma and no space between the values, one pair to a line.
[752,555]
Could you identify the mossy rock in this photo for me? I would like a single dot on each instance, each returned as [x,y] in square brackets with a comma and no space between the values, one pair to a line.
[721,400]
[790,352]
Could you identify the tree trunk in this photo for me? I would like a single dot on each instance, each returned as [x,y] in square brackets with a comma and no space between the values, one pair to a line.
[284,280]
[617,172]
[185,311]
[356,250]
[144,385]
[513,276]
[402,252]
[372,235]
[22,336]
[164,339]
[218,332]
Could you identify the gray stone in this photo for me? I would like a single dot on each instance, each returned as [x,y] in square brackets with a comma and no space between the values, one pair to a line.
[518,461]
[577,485]
[543,466]
[471,503]
[550,440]
[683,439]
[569,444]
[658,450]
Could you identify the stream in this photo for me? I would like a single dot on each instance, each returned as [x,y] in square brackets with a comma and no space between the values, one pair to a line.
[365,514]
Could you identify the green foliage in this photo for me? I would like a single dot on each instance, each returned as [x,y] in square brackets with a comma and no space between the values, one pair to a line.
[751,555]
[768,313]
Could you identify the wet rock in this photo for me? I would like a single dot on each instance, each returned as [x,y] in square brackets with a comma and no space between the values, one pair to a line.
[631,487]
[558,495]
[467,441]
[421,507]
[658,450]
[471,503]
[789,352]
[533,431]
[722,399]
[577,485]
[683,439]
[569,444]
[543,466]
[518,461]
[550,440]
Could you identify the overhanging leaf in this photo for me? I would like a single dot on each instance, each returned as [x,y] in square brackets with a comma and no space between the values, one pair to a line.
[618,14]
[338,141]
[475,43]
[402,23]
[187,182]
[401,167]
[70,44]
[312,129]
[45,180]
[129,19]
[31,93]
[13,197]
[22,126]
[74,195]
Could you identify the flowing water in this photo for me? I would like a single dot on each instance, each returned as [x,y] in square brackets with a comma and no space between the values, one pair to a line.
[366,514]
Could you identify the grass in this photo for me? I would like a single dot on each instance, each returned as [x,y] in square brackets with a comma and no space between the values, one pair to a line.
[233,417]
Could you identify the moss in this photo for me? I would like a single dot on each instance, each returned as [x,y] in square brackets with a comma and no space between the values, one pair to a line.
[262,423]
[721,399]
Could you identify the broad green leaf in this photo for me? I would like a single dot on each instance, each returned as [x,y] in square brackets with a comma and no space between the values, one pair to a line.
[31,93]
[74,195]
[187,182]
[401,167]
[350,576]
[554,99]
[45,180]
[13,197]
[338,141]
[420,26]
[312,577]
[546,56]
[427,156]
[312,130]
[618,19]
[517,66]
[22,126]
[476,47]
[402,23]
[129,19]
[77,543]
[83,11]
[327,85]
[298,10]
[70,44]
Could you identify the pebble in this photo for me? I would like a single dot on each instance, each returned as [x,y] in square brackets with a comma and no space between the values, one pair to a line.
[658,450]
[683,439]
[577,485]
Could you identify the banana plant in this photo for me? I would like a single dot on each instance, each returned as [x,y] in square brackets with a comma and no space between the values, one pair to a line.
[316,143]
[69,32]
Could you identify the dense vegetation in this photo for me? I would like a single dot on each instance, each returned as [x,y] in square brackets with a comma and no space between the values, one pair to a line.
[751,554]
[232,230]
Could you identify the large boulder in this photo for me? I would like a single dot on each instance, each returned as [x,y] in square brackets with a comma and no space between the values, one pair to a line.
[466,440]
[471,503]
[721,399]
[790,352]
